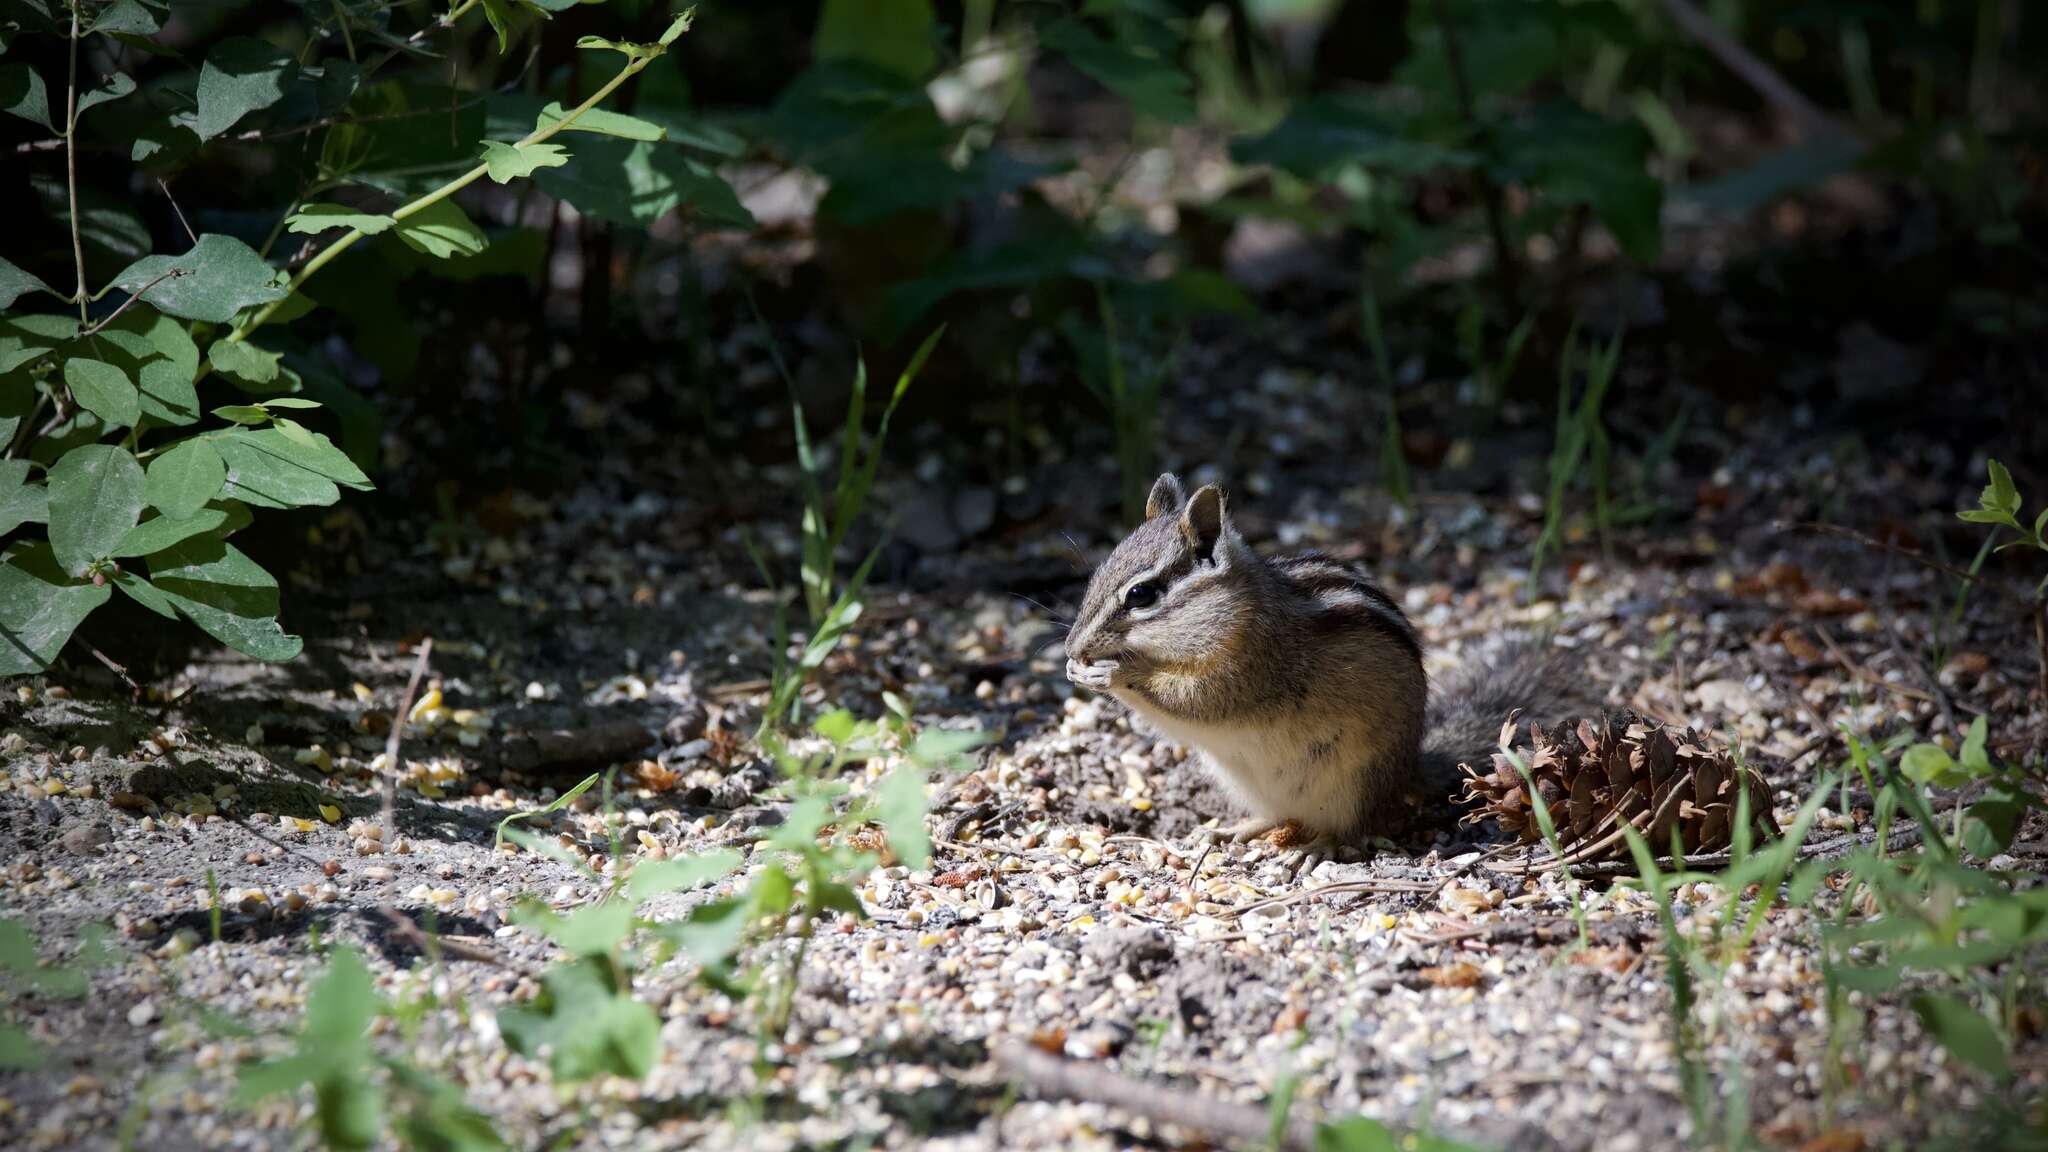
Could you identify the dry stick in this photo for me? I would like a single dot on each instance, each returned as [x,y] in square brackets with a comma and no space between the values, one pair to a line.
[1861,672]
[116,669]
[1918,557]
[430,942]
[1750,70]
[1382,887]
[2037,605]
[1494,853]
[1244,1125]
[390,784]
[1489,192]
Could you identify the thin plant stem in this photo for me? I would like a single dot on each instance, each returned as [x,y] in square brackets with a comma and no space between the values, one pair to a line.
[328,254]
[1506,268]
[71,157]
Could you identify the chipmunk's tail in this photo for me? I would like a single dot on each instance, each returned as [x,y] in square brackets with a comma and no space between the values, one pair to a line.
[1468,707]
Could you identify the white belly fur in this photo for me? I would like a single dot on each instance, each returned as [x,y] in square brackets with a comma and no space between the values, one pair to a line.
[1269,768]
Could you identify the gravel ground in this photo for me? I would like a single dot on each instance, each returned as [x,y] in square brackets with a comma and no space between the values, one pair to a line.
[1066,906]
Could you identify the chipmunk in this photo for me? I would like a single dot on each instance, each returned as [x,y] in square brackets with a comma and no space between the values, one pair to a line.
[1299,681]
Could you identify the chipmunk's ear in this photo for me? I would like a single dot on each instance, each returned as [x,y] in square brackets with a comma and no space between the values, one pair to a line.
[1167,495]
[1204,520]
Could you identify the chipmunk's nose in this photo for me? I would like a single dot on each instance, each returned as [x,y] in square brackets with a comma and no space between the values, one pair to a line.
[1084,644]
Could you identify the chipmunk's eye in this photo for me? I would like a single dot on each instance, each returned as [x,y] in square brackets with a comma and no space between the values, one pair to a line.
[1143,594]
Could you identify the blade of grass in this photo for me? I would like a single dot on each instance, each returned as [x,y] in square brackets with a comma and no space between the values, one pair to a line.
[555,805]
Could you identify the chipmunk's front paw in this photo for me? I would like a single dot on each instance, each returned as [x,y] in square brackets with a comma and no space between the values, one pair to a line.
[1094,674]
[1303,857]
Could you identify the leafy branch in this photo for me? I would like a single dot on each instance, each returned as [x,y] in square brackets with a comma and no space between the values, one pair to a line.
[638,56]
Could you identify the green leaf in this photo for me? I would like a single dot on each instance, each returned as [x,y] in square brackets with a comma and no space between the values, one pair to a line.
[167,393]
[95,497]
[586,1023]
[1990,824]
[118,85]
[601,122]
[22,93]
[633,51]
[103,390]
[893,35]
[1153,87]
[139,589]
[634,184]
[340,1007]
[306,449]
[2001,495]
[946,748]
[1966,1034]
[500,14]
[1575,157]
[229,596]
[125,17]
[441,230]
[836,726]
[714,930]
[25,339]
[244,363]
[165,336]
[1973,759]
[555,805]
[20,502]
[40,606]
[241,75]
[160,532]
[653,878]
[15,283]
[1356,1134]
[900,803]
[220,277]
[508,162]
[677,27]
[1980,516]
[18,1051]
[1325,133]
[254,415]
[317,218]
[258,475]
[592,930]
[1930,765]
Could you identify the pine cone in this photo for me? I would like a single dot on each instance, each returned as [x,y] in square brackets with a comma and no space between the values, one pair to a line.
[1596,774]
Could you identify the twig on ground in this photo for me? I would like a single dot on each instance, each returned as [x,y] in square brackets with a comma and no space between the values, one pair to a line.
[1235,1124]
[390,782]
[117,670]
[1918,557]
[1494,853]
[429,943]
[992,849]
[1382,887]
[1863,673]
[1829,849]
